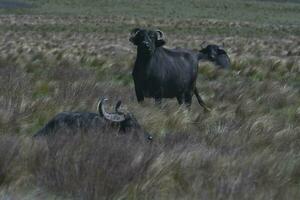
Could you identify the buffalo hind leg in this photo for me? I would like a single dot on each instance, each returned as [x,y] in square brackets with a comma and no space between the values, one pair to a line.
[188,100]
[200,101]
[179,100]
[157,100]
[158,97]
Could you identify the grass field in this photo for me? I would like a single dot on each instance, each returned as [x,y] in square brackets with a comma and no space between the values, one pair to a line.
[63,55]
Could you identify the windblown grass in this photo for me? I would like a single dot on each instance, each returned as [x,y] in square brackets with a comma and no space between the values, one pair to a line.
[246,148]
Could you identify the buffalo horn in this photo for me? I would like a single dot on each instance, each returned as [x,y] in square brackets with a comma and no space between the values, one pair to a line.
[133,33]
[161,35]
[115,117]
[223,44]
[117,107]
[201,45]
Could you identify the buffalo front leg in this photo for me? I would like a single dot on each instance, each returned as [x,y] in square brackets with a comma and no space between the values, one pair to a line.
[158,96]
[139,94]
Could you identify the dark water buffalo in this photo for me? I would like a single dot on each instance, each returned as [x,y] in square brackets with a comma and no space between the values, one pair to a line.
[84,121]
[216,55]
[163,73]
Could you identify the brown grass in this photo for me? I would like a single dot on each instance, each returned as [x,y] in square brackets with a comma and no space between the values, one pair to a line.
[246,148]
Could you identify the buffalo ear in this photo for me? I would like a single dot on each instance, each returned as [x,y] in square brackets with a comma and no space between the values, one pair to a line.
[160,43]
[221,51]
[204,50]
[132,37]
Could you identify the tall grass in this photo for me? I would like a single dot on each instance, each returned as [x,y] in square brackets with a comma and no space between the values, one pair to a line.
[246,148]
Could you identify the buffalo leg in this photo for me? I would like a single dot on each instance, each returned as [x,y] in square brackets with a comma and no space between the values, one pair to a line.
[157,100]
[158,96]
[179,99]
[139,94]
[188,99]
[200,101]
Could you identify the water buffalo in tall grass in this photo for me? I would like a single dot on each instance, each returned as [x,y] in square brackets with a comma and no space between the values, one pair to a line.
[215,54]
[160,72]
[85,121]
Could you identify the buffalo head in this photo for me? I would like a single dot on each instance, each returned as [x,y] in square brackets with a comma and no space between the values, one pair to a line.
[211,51]
[147,40]
[127,122]
[216,55]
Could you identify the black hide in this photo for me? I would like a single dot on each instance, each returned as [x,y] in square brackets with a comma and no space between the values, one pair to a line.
[163,73]
[84,121]
[215,54]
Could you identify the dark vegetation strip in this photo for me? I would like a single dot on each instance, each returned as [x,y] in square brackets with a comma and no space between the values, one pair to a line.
[254,11]
[230,10]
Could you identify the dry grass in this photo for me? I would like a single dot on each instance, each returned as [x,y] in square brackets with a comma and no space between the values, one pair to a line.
[246,148]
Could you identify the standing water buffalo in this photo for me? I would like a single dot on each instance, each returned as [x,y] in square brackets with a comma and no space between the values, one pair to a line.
[163,73]
[216,55]
[75,121]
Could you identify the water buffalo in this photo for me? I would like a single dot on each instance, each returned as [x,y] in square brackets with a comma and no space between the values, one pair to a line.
[163,73]
[74,121]
[216,55]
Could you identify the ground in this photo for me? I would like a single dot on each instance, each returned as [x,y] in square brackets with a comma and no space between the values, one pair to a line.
[65,55]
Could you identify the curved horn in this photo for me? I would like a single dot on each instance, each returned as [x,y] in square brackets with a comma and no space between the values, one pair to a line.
[118,106]
[223,45]
[201,45]
[133,33]
[115,117]
[160,35]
